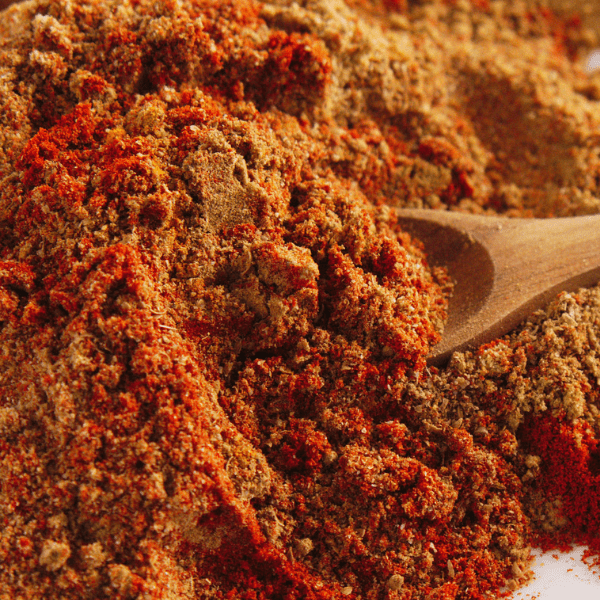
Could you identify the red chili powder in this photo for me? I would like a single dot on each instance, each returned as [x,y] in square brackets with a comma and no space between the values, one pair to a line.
[213,333]
[570,456]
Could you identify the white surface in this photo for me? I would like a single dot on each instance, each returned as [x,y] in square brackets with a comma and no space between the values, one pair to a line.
[593,61]
[565,578]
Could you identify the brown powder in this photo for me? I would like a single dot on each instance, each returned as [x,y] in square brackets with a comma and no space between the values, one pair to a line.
[213,334]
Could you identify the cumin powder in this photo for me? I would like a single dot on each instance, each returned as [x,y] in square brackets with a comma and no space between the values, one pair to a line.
[213,339]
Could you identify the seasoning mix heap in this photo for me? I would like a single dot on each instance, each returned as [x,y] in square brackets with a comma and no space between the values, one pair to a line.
[213,332]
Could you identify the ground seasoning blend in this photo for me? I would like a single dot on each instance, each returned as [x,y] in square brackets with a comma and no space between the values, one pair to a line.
[213,333]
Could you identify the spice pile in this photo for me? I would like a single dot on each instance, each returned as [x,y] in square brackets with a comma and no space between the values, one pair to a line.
[213,333]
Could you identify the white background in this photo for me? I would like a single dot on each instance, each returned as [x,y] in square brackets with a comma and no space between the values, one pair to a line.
[554,580]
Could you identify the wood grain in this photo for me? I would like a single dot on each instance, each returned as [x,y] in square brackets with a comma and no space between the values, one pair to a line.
[503,269]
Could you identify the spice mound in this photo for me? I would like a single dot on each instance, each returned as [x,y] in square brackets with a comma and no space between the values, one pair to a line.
[213,332]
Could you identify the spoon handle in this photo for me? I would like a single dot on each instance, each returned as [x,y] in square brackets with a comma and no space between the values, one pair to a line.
[503,269]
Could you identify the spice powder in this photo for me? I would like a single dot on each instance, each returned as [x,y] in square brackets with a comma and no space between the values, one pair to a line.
[213,333]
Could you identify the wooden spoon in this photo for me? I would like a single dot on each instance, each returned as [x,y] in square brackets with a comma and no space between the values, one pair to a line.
[503,269]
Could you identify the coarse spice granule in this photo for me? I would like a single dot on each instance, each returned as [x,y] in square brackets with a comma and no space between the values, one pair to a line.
[213,333]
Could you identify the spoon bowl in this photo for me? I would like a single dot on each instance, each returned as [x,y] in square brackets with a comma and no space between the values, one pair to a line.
[503,269]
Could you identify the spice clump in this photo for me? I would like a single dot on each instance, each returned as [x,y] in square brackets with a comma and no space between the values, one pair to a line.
[213,333]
